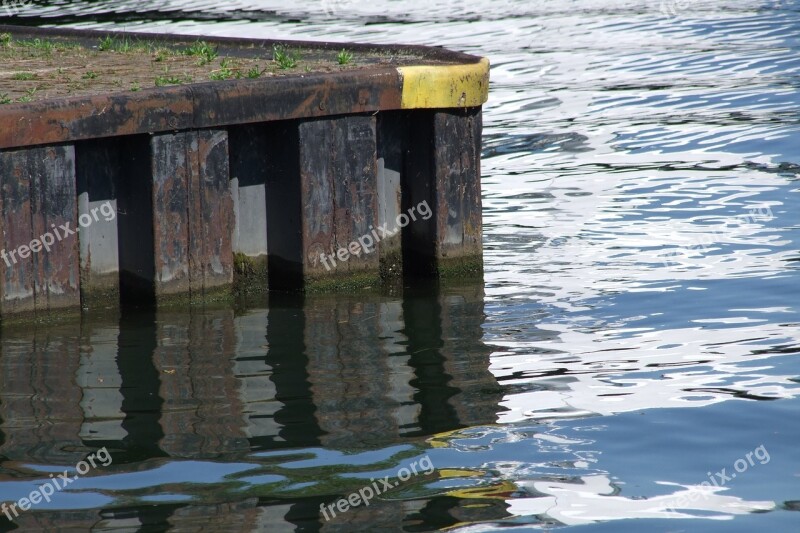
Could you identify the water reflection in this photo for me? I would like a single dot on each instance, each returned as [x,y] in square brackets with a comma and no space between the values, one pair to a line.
[170,394]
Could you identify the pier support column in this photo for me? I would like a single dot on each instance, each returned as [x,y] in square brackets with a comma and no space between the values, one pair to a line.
[39,257]
[323,234]
[443,169]
[457,161]
[192,213]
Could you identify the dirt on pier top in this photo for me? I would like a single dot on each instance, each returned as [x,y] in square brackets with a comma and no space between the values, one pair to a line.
[34,68]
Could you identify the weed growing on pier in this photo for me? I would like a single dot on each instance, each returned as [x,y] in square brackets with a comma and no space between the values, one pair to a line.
[171,79]
[29,94]
[344,57]
[206,52]
[58,67]
[255,72]
[283,58]
[226,71]
[4,99]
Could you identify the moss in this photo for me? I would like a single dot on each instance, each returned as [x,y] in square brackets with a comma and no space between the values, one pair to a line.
[344,282]
[455,269]
[24,320]
[391,266]
[250,274]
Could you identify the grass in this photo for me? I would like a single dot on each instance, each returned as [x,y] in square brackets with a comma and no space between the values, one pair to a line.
[182,63]
[255,72]
[206,52]
[161,55]
[171,79]
[283,58]
[344,57]
[29,94]
[226,71]
[124,45]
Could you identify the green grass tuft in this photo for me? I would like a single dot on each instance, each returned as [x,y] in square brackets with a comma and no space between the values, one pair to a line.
[206,52]
[283,58]
[344,57]
[23,76]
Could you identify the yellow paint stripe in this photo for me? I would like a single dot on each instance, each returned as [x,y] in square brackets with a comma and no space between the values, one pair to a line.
[445,86]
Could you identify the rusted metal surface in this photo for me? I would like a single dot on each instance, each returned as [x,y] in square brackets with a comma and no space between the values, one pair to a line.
[338,176]
[39,222]
[192,212]
[54,209]
[457,183]
[212,249]
[15,196]
[171,169]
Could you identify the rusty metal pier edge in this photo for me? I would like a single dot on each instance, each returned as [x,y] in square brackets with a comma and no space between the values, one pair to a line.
[242,184]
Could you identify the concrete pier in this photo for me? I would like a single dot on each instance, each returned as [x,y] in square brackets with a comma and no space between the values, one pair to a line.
[327,177]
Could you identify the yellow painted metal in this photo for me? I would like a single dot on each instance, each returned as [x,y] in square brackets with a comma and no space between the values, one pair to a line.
[445,86]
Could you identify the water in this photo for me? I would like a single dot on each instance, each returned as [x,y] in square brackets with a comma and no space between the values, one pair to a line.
[637,332]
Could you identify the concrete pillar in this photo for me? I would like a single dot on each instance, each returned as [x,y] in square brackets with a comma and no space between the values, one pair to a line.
[390,129]
[248,167]
[101,165]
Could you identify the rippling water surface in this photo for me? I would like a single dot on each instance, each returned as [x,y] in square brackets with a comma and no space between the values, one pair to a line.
[638,331]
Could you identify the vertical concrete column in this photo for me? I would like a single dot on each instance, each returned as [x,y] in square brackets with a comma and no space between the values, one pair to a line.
[39,256]
[248,164]
[100,165]
[391,132]
[192,213]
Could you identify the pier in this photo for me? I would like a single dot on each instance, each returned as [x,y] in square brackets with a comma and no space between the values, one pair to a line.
[242,164]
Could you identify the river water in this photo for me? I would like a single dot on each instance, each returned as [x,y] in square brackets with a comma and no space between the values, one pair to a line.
[631,363]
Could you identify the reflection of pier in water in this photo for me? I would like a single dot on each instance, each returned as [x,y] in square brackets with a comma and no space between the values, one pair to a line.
[334,372]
